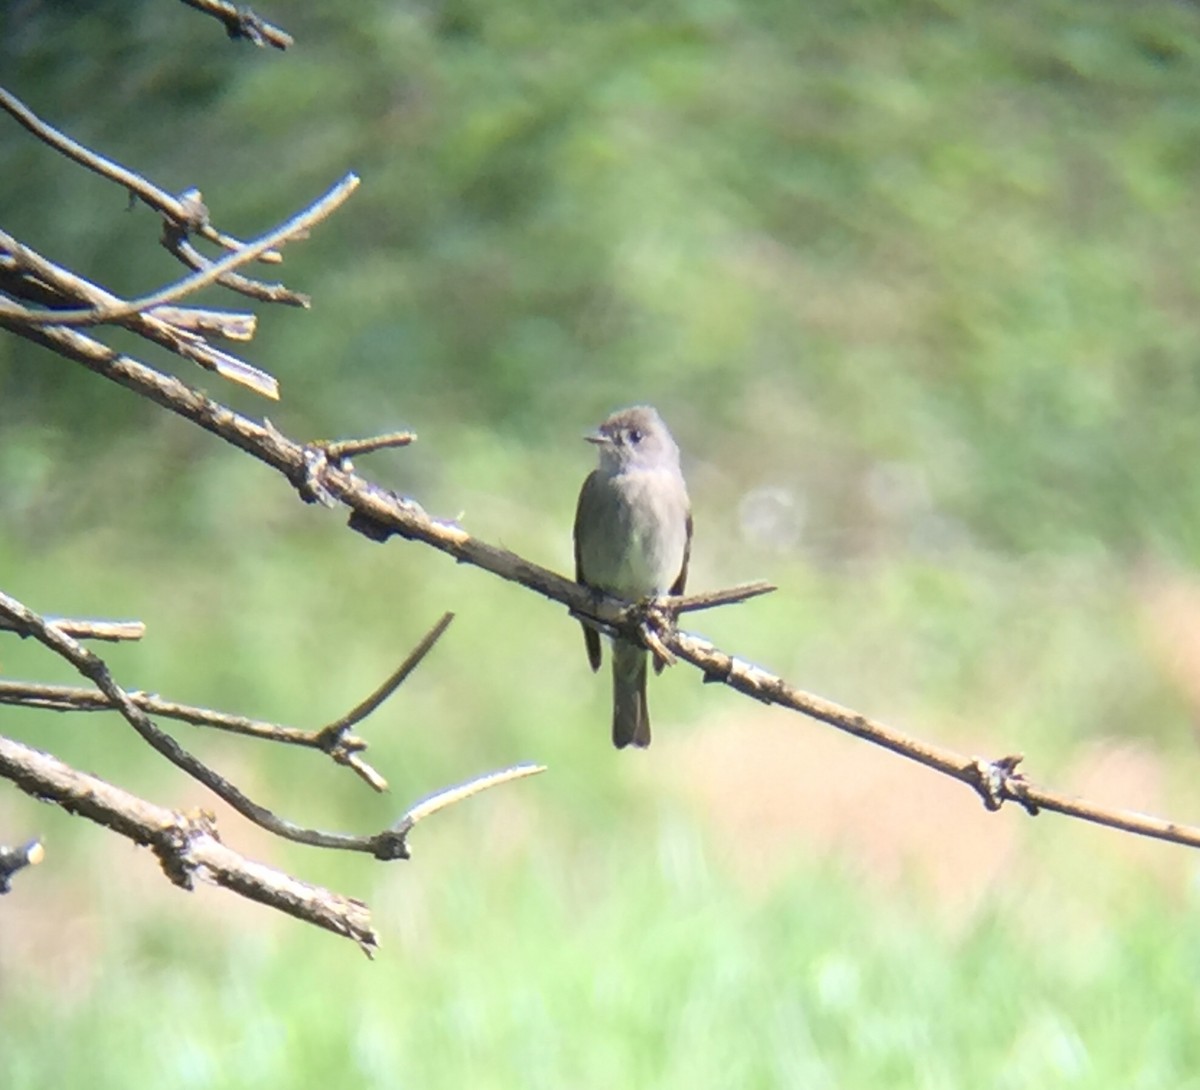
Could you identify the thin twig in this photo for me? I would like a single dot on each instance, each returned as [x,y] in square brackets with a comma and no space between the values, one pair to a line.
[685,603]
[117,310]
[68,285]
[187,213]
[387,844]
[448,797]
[15,859]
[330,736]
[341,450]
[233,326]
[90,628]
[70,698]
[177,243]
[243,23]
[332,739]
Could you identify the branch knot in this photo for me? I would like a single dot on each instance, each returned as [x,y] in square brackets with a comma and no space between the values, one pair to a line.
[173,843]
[999,781]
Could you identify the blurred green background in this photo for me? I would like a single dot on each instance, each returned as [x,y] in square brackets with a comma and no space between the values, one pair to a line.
[913,283]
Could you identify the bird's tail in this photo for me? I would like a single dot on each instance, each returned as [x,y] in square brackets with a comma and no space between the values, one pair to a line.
[631,719]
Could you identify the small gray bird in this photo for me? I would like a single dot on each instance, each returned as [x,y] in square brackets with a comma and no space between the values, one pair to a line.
[633,535]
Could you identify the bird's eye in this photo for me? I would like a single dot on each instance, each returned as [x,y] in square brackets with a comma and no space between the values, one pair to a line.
[635,436]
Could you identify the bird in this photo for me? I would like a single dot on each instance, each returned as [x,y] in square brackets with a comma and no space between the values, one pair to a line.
[633,539]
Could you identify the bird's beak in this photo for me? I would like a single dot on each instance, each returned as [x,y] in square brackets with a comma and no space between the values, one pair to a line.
[597,437]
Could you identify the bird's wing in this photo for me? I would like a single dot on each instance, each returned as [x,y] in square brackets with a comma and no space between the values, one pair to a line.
[591,637]
[681,580]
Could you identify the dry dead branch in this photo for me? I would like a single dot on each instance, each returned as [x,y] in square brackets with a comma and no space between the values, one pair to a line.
[333,739]
[187,844]
[380,513]
[44,302]
[241,22]
[47,303]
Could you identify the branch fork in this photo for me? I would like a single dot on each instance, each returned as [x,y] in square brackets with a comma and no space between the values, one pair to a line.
[187,844]
[652,621]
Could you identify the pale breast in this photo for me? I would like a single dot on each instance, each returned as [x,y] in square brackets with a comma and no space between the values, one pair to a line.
[643,519]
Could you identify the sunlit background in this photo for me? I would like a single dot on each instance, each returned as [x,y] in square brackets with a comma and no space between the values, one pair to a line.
[915,287]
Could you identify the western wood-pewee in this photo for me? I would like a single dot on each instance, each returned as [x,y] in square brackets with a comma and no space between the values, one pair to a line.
[633,534]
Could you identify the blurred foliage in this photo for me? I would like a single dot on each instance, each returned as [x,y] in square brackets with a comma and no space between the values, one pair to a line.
[914,284]
[955,235]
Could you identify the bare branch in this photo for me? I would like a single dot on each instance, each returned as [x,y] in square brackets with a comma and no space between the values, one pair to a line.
[68,698]
[187,213]
[331,736]
[158,199]
[342,450]
[996,781]
[177,243]
[89,629]
[664,610]
[379,514]
[67,285]
[441,799]
[223,323]
[15,859]
[115,309]
[387,844]
[187,845]
[243,23]
[686,602]
[333,739]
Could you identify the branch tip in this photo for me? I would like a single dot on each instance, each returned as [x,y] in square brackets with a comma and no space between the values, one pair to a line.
[87,628]
[431,804]
[710,599]
[332,734]
[342,450]
[12,860]
[294,228]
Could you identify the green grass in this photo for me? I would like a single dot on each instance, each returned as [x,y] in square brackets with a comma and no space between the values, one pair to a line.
[638,964]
